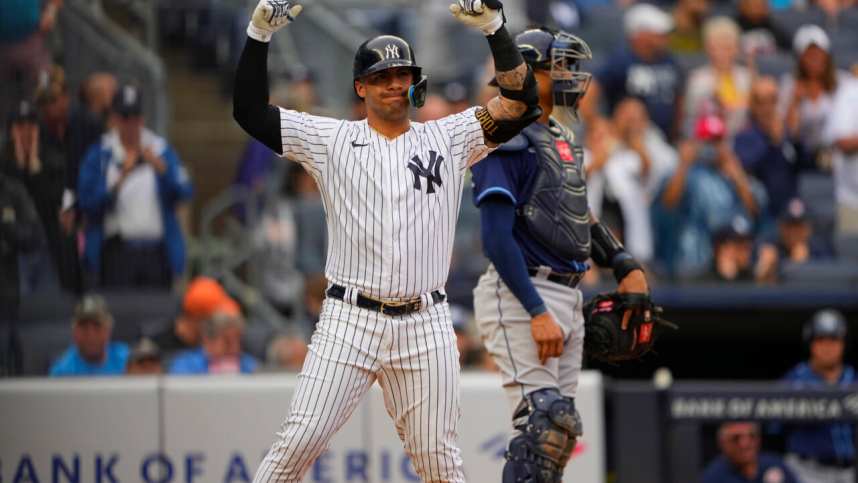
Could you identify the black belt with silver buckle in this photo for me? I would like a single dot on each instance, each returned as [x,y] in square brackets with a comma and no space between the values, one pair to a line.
[567,279]
[387,308]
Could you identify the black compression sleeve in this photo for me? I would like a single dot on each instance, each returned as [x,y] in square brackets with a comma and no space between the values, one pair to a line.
[504,51]
[250,106]
[608,252]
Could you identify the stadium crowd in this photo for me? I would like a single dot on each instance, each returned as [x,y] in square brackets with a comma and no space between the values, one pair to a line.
[720,142]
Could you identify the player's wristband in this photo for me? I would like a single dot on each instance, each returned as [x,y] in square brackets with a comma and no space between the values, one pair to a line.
[257,33]
[623,264]
[504,51]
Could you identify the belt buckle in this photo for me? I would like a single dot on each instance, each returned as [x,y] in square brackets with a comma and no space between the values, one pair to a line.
[399,308]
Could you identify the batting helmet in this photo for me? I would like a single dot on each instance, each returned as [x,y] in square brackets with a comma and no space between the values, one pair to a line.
[560,53]
[386,52]
[825,323]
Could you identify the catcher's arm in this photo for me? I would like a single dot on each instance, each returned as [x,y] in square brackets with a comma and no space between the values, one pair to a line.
[608,252]
[518,103]
[250,94]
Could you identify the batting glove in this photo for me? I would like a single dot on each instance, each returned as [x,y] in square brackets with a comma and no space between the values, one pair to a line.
[269,17]
[486,15]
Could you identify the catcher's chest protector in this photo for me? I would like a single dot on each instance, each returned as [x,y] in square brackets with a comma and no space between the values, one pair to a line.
[556,213]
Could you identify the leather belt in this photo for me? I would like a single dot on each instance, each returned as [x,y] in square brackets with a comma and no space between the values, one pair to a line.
[567,279]
[393,308]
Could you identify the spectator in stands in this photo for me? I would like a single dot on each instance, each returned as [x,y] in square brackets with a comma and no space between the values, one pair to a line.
[645,70]
[822,452]
[760,36]
[129,186]
[145,359]
[88,121]
[28,158]
[53,100]
[93,353]
[766,150]
[628,164]
[286,353]
[795,243]
[722,79]
[741,460]
[203,297]
[688,17]
[435,108]
[23,51]
[733,251]
[20,232]
[841,131]
[806,97]
[220,352]
[707,190]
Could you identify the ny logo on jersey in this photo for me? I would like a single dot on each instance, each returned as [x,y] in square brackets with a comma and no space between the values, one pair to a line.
[391,51]
[432,173]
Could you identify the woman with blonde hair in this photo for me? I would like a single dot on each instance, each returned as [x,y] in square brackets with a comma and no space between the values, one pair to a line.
[722,80]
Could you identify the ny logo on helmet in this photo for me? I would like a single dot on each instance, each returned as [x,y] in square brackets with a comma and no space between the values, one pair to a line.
[391,51]
[432,173]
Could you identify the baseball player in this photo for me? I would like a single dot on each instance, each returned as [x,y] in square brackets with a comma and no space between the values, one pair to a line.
[391,189]
[538,233]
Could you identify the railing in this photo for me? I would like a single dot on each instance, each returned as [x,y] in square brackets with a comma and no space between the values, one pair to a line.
[93,42]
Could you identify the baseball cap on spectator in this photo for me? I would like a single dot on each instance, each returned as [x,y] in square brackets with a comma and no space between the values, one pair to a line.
[809,35]
[643,17]
[145,349]
[228,306]
[825,323]
[203,296]
[92,308]
[739,228]
[795,212]
[23,111]
[128,101]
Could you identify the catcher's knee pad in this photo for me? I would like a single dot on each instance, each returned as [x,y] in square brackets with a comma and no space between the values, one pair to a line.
[549,426]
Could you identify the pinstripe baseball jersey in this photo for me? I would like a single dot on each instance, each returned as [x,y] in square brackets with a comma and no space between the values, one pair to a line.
[391,204]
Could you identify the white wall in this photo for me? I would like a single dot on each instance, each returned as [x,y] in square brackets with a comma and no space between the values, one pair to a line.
[216,429]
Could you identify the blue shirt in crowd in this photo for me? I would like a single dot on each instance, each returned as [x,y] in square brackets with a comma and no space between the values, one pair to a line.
[683,235]
[657,84]
[771,468]
[19,19]
[775,165]
[72,364]
[196,361]
[831,442]
[511,173]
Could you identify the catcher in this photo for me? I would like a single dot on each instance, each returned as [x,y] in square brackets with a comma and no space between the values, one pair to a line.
[538,233]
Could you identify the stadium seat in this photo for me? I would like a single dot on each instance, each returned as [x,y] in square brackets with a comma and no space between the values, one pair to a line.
[847,246]
[841,273]
[790,20]
[41,344]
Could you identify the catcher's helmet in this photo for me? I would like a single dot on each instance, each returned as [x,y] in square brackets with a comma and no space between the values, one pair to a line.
[386,52]
[560,53]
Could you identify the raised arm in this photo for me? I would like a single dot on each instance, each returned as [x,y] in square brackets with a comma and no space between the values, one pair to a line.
[517,105]
[250,106]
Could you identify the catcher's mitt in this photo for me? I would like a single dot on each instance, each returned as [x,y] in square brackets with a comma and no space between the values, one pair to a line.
[604,338]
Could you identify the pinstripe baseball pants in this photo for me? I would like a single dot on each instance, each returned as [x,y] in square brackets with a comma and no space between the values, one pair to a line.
[416,363]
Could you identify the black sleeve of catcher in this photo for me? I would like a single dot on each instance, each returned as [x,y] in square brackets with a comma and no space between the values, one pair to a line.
[250,106]
[608,252]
